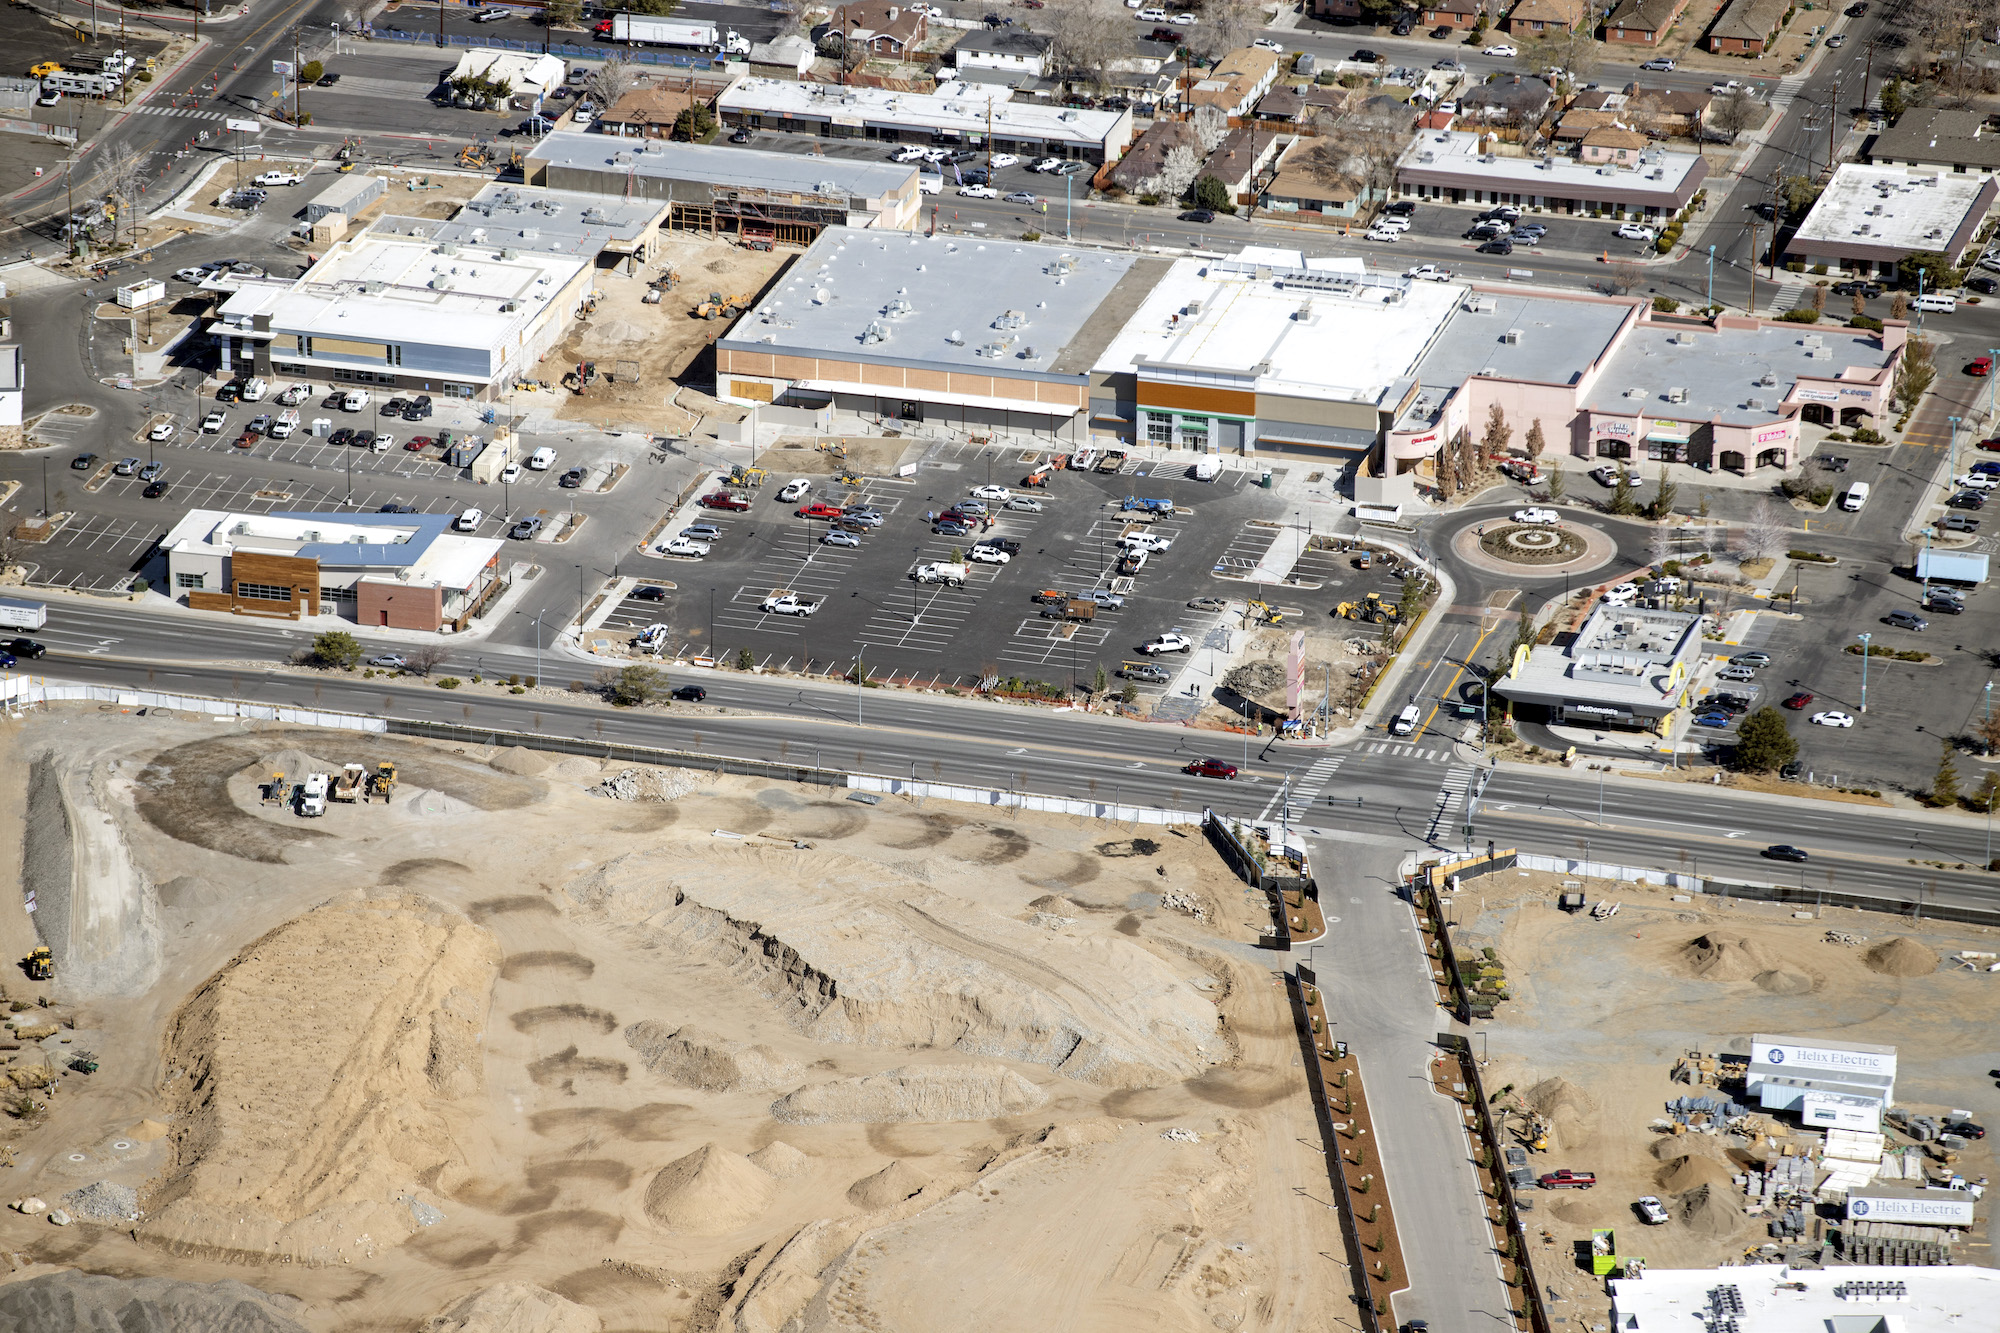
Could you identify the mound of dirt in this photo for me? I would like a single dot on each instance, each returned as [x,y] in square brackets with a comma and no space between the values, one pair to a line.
[695,1058]
[1783,981]
[304,1080]
[896,1096]
[515,1307]
[86,1303]
[1900,957]
[522,762]
[847,951]
[1569,1110]
[1692,1173]
[887,1187]
[1669,1148]
[1082,1133]
[708,1192]
[780,1159]
[1709,1210]
[1578,1212]
[1718,956]
[1055,905]
[295,764]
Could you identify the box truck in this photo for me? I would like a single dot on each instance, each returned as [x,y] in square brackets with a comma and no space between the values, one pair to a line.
[18,614]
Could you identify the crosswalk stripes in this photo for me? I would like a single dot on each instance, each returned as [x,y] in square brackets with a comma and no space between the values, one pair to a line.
[179,111]
[1787,89]
[1788,296]
[1452,793]
[1306,788]
[1405,751]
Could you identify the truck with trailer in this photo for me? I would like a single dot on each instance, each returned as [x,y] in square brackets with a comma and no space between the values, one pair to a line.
[17,613]
[1145,506]
[941,572]
[639,30]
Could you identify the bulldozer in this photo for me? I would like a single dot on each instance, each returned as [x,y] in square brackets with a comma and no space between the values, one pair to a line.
[382,784]
[1372,609]
[40,965]
[274,790]
[473,155]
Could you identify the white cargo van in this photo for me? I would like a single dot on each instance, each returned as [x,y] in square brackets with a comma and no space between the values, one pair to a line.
[1406,721]
[255,390]
[354,400]
[542,459]
[1855,497]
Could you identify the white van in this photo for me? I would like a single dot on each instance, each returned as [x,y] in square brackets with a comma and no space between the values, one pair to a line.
[1934,303]
[255,390]
[1855,496]
[1406,721]
[469,520]
[354,400]
[542,459]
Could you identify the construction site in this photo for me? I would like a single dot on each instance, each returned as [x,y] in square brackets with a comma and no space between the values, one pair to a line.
[339,1030]
[1625,1046]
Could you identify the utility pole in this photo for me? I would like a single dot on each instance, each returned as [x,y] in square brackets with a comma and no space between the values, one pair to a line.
[298,84]
[1753,269]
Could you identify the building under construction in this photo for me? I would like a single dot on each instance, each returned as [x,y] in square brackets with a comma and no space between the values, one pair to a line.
[741,192]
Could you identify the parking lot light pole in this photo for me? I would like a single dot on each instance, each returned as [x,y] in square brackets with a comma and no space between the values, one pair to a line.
[1864,669]
[711,624]
[916,617]
[860,679]
[1951,450]
[1929,532]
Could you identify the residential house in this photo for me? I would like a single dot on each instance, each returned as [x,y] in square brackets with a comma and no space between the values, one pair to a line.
[1009,50]
[1514,99]
[1138,172]
[1642,22]
[1236,83]
[1620,147]
[1745,27]
[1297,188]
[1453,13]
[650,113]
[1927,136]
[1580,121]
[1338,11]
[1237,160]
[787,57]
[1535,18]
[887,31]
[1676,112]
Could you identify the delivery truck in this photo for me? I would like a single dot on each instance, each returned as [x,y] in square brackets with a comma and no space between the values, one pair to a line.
[18,614]
[638,30]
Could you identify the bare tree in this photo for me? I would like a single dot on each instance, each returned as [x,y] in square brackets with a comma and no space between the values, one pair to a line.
[1571,56]
[1735,113]
[425,659]
[1085,37]
[123,171]
[1357,150]
[1660,545]
[614,78]
[1622,275]
[1177,172]
[1765,533]
[1223,26]
[1536,441]
[1498,433]
[562,13]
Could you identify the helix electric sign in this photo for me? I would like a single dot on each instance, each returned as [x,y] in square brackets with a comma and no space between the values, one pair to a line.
[1954,1209]
[1821,1059]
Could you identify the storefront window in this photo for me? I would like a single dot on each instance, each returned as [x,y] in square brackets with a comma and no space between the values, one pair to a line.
[1194,432]
[1159,428]
[1614,448]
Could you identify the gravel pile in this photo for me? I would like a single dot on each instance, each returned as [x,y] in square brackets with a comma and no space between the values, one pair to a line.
[103,1202]
[640,784]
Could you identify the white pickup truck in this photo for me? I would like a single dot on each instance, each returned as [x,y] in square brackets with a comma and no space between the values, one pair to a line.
[287,421]
[785,603]
[954,575]
[280,178]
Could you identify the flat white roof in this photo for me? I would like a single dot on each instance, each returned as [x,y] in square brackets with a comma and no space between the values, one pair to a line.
[395,289]
[1907,208]
[1456,152]
[959,108]
[1777,1299]
[1297,327]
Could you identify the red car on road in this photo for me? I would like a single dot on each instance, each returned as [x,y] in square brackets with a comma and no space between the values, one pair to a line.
[820,509]
[724,500]
[1210,768]
[1980,366]
[1799,700]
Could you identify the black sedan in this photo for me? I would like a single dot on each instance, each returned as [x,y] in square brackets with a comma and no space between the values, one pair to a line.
[155,491]
[1201,215]
[83,462]
[1784,851]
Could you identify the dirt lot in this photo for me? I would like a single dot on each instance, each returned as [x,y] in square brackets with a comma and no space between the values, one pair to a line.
[641,350]
[680,1054]
[1602,1010]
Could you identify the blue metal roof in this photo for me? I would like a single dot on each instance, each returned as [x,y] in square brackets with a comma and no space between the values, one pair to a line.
[429,527]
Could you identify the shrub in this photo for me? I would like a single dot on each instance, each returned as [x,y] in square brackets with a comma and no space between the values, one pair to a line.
[1795,266]
[1802,316]
[1819,268]
[1835,437]
[448,682]
[335,648]
[528,681]
[311,72]
[1666,305]
[515,689]
[1868,322]
[745,660]
[1821,496]
[1867,435]
[1809,555]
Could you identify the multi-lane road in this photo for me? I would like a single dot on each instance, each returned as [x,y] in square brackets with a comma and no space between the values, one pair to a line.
[1420,793]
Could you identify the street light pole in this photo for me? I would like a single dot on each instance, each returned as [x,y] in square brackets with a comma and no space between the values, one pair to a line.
[1929,532]
[860,679]
[1864,669]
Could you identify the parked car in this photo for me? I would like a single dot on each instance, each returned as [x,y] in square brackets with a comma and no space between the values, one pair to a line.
[525,530]
[1651,1211]
[1802,699]
[1440,32]
[1149,671]
[152,471]
[213,423]
[795,489]
[1170,642]
[155,490]
[1751,660]
[978,192]
[1636,231]
[1026,504]
[650,592]
[1958,523]
[818,509]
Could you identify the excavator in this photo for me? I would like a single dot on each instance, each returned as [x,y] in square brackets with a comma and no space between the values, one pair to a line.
[849,477]
[473,155]
[1265,613]
[1373,610]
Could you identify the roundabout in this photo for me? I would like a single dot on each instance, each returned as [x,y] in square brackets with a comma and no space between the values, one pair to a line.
[1534,550]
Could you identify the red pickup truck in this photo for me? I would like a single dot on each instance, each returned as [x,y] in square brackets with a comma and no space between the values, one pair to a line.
[1568,1180]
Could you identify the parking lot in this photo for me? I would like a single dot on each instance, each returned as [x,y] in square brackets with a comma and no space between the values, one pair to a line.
[1440,222]
[992,626]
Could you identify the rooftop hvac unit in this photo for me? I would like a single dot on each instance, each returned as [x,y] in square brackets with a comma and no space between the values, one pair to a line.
[1677,395]
[448,248]
[1607,171]
[1427,156]
[1863,229]
[876,332]
[1767,380]
[1027,354]
[898,308]
[509,254]
[1488,372]
[531,233]
[509,307]
[1635,393]
[825,187]
[1814,340]
[1754,404]
[1011,319]
[1511,337]
[418,232]
[993,350]
[1193,307]
[1819,354]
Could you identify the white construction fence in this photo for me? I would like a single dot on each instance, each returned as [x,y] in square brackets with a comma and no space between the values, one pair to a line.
[17,692]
